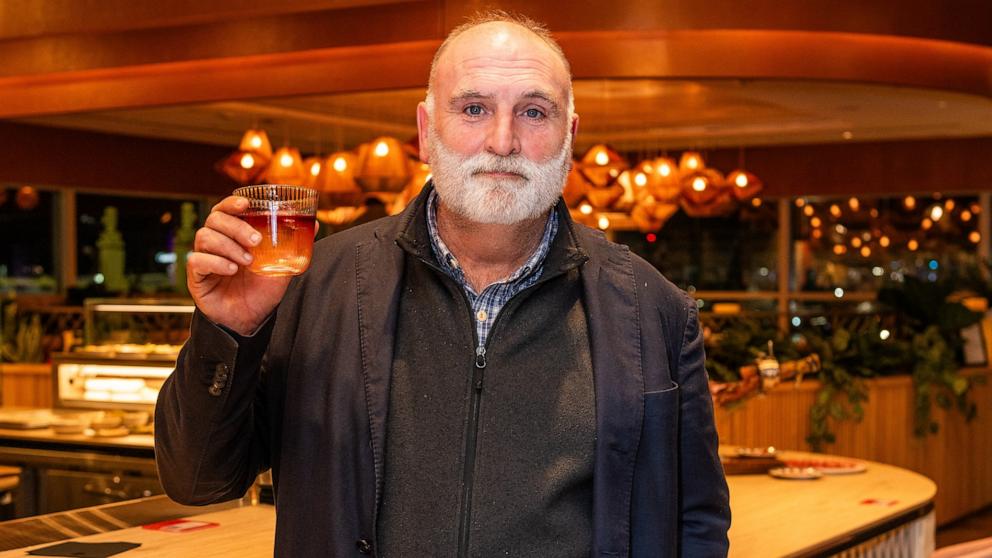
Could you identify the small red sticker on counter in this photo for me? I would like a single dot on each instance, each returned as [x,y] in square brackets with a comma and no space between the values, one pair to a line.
[180,525]
[876,502]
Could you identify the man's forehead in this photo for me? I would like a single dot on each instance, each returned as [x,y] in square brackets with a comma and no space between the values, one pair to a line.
[500,45]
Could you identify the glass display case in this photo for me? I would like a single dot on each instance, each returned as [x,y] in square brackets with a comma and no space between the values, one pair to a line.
[131,346]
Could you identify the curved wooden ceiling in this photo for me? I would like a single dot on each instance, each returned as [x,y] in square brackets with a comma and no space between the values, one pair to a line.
[61,57]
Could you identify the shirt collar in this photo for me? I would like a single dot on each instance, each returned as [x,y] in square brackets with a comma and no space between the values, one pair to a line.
[449,263]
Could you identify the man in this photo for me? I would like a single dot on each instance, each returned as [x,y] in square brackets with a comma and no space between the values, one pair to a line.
[478,376]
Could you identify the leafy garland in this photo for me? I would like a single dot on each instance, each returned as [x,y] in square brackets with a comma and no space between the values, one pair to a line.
[926,344]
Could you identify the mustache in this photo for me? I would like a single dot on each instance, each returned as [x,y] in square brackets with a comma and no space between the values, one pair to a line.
[486,163]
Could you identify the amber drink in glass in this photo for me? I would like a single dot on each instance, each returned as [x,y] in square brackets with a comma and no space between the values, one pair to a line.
[284,215]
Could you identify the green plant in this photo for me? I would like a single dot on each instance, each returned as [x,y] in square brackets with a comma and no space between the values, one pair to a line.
[738,344]
[936,316]
[22,337]
[846,360]
[925,344]
[936,378]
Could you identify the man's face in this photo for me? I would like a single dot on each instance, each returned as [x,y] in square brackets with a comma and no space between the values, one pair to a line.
[499,136]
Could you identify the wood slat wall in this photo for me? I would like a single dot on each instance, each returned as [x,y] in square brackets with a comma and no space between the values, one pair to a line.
[26,385]
[958,458]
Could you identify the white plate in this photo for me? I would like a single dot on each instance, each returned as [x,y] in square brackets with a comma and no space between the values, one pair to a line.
[795,473]
[769,451]
[830,466]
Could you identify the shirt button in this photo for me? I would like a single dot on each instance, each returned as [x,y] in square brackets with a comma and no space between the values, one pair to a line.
[364,546]
[481,315]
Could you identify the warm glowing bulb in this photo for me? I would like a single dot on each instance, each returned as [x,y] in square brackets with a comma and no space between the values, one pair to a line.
[741,180]
[808,211]
[873,213]
[884,242]
[909,202]
[315,168]
[815,222]
[640,179]
[756,202]
[949,205]
[926,224]
[585,209]
[602,157]
[699,184]
[975,237]
[912,245]
[817,233]
[854,204]
[839,249]
[835,210]
[976,209]
[604,223]
[855,242]
[286,160]
[692,163]
[340,164]
[665,169]
[965,215]
[247,161]
[936,213]
[255,141]
[800,202]
[648,167]
[381,149]
[865,251]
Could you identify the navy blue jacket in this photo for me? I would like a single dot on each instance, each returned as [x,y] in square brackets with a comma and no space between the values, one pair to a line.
[307,396]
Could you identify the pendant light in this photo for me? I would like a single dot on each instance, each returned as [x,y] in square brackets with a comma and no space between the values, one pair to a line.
[286,167]
[382,166]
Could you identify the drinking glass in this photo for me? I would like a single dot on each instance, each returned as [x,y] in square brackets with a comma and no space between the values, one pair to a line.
[284,215]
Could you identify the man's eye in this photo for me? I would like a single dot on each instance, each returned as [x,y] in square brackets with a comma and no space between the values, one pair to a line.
[533,113]
[473,110]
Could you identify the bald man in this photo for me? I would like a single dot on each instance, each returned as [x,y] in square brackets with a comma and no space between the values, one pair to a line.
[478,376]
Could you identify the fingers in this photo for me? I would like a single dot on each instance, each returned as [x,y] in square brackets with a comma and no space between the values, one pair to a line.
[233,205]
[222,221]
[201,265]
[211,241]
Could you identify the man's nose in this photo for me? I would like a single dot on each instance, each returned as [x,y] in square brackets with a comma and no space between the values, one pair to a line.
[502,138]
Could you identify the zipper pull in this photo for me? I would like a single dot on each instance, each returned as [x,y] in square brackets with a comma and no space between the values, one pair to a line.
[480,357]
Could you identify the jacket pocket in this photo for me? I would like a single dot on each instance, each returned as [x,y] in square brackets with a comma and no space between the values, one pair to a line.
[656,487]
[657,403]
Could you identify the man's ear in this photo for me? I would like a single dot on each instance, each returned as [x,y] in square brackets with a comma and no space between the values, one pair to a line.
[423,121]
[575,126]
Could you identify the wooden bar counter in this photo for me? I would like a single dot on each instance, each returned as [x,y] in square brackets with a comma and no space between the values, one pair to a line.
[863,514]
[860,514]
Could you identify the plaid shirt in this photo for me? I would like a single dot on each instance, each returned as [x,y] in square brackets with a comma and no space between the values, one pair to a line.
[486,306]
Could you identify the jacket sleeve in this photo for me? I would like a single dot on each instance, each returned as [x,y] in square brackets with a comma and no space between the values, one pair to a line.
[704,497]
[210,435]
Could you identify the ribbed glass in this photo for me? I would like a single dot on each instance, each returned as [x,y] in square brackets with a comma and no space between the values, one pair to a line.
[284,215]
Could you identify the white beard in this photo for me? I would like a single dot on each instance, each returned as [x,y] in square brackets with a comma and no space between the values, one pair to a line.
[497,201]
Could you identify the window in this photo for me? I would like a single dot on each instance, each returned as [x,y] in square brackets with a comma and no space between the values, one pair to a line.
[27,260]
[147,227]
[732,253]
[859,244]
